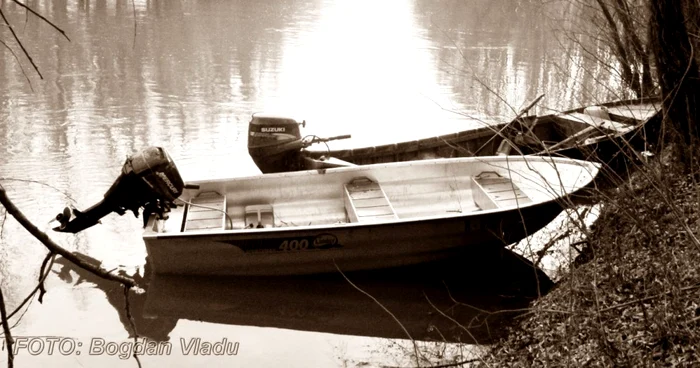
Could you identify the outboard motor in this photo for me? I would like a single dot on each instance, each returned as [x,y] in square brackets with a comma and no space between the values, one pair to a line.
[149,179]
[275,143]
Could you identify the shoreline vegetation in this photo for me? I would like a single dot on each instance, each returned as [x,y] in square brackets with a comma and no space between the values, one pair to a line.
[635,298]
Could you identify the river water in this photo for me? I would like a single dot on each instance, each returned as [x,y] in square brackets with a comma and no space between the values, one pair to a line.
[187,75]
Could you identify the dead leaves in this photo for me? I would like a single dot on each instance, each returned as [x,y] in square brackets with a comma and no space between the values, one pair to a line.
[637,301]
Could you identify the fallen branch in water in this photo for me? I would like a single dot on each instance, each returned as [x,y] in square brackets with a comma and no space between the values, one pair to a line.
[6,330]
[43,274]
[127,309]
[57,249]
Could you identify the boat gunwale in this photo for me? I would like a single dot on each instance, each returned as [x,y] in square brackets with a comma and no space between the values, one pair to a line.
[427,162]
[464,135]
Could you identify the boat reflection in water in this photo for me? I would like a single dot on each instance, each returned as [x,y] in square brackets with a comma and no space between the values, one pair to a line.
[156,329]
[427,299]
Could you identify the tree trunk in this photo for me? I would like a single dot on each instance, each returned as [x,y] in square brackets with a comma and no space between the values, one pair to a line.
[677,68]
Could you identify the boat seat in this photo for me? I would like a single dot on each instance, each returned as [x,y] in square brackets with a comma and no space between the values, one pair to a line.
[572,140]
[205,212]
[594,121]
[365,201]
[493,191]
[325,163]
[259,216]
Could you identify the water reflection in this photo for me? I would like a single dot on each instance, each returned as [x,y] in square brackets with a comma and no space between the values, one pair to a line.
[426,299]
[497,54]
[497,68]
[157,328]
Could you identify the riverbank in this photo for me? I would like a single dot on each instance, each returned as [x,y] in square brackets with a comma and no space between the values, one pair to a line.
[635,301]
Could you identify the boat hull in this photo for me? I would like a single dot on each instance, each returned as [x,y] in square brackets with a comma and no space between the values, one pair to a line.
[362,217]
[329,249]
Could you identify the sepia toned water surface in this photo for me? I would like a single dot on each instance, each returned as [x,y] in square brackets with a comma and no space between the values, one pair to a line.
[187,75]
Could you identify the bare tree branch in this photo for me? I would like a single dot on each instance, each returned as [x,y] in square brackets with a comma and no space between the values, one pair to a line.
[55,248]
[131,322]
[42,18]
[18,63]
[133,7]
[26,53]
[6,329]
[26,300]
[64,193]
[42,270]
[625,14]
[621,51]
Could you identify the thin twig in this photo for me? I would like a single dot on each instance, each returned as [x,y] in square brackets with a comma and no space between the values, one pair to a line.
[42,289]
[2,223]
[26,53]
[43,18]
[55,248]
[446,365]
[36,289]
[621,305]
[456,323]
[19,64]
[552,242]
[408,334]
[6,329]
[133,7]
[517,117]
[131,322]
[63,192]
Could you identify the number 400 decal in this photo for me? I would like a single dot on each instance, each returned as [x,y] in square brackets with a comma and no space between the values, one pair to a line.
[294,245]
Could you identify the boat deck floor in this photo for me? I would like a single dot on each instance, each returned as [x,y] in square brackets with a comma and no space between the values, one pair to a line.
[360,201]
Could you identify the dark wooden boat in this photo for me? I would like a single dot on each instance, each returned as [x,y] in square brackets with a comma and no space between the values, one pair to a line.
[603,133]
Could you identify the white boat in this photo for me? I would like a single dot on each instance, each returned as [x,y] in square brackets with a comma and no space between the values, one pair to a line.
[348,218]
[359,218]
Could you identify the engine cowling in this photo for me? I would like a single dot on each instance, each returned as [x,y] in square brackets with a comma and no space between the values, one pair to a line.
[149,180]
[275,143]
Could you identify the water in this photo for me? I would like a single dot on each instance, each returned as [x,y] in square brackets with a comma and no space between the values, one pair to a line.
[187,75]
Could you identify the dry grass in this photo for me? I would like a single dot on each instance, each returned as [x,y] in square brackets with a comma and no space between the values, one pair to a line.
[636,300]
